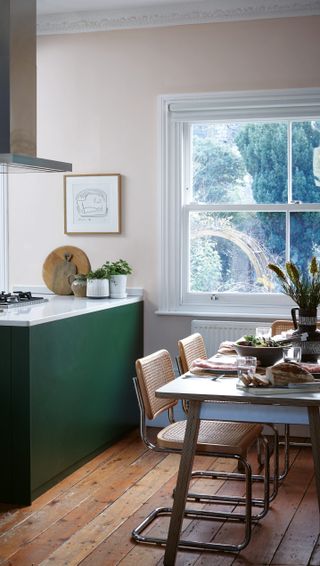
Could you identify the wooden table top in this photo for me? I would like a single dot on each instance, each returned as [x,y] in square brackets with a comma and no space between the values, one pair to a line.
[225,389]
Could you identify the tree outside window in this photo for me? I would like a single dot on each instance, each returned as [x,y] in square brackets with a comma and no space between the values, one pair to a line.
[251,164]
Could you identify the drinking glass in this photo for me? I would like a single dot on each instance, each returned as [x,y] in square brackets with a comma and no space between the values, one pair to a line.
[291,354]
[246,366]
[263,332]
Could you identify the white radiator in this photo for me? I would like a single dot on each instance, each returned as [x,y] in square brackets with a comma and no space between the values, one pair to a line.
[216,331]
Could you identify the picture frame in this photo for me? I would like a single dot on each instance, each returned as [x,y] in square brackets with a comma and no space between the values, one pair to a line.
[92,203]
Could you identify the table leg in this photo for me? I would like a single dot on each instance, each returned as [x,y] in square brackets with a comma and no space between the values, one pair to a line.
[314,422]
[184,475]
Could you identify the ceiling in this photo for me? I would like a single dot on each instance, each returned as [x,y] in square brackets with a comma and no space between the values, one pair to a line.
[73,16]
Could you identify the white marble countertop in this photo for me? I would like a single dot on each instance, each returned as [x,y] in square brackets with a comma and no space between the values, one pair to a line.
[58,308]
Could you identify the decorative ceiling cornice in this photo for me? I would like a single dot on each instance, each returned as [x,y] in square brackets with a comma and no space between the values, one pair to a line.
[171,15]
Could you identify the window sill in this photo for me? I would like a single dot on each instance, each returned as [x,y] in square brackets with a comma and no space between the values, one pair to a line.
[244,313]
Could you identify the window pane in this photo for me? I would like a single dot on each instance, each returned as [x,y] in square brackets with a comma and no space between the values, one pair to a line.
[239,162]
[306,161]
[230,251]
[305,237]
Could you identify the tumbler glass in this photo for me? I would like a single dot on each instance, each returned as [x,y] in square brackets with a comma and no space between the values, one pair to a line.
[291,354]
[246,366]
[263,332]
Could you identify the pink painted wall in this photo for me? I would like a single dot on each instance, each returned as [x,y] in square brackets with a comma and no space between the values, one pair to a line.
[97,107]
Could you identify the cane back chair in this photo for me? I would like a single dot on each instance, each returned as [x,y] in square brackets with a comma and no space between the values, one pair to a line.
[189,349]
[279,326]
[228,440]
[193,347]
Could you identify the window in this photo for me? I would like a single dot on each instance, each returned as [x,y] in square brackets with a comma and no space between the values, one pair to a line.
[241,188]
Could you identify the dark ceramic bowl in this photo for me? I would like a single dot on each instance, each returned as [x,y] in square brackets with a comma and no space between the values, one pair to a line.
[266,356]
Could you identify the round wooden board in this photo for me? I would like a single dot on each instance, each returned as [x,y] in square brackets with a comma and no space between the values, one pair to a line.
[55,278]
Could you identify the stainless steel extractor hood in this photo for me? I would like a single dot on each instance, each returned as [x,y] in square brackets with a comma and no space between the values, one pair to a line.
[18,85]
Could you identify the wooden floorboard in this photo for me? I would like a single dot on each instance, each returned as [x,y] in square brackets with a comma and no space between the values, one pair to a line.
[88,517]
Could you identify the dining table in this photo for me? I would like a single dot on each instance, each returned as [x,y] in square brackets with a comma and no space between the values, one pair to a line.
[222,398]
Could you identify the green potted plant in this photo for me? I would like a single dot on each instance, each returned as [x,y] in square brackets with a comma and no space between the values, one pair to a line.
[304,290]
[118,272]
[98,283]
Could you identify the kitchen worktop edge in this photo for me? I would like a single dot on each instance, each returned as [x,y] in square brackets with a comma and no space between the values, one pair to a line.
[59,308]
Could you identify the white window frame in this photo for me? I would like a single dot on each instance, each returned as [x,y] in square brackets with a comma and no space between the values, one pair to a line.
[4,237]
[175,112]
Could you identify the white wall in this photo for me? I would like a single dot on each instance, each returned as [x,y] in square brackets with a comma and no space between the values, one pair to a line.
[97,107]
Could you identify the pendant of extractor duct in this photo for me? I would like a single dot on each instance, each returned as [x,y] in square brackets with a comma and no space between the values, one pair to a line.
[18,85]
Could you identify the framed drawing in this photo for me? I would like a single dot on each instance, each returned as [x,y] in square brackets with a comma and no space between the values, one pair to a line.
[92,204]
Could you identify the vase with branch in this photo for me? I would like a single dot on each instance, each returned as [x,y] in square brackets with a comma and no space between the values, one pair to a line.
[304,290]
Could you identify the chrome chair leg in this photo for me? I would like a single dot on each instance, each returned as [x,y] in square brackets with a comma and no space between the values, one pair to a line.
[287,443]
[245,517]
[256,502]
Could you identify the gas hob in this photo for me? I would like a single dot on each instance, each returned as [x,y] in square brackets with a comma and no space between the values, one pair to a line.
[19,299]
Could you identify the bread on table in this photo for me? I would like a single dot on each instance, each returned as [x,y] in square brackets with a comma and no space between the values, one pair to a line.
[288,372]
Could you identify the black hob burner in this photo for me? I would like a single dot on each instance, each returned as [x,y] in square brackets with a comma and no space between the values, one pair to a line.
[19,299]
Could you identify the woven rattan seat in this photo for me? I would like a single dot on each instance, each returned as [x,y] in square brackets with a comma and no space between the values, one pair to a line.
[222,437]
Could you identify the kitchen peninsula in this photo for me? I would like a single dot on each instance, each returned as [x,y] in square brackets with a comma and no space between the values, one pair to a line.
[65,387]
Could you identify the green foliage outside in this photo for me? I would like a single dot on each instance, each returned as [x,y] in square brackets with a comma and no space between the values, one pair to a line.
[305,139]
[206,265]
[218,172]
[248,164]
[264,151]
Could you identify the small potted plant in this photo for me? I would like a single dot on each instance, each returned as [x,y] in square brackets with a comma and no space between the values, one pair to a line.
[98,283]
[117,273]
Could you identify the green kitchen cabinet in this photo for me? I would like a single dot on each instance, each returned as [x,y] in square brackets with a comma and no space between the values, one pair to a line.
[66,393]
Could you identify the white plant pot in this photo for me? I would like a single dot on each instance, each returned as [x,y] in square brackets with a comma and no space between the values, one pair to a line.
[98,288]
[118,286]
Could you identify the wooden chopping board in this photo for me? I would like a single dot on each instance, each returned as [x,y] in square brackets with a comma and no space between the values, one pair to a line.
[60,264]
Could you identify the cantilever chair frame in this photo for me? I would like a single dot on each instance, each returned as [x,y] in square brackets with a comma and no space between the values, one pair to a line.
[248,500]
[209,473]
[193,347]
